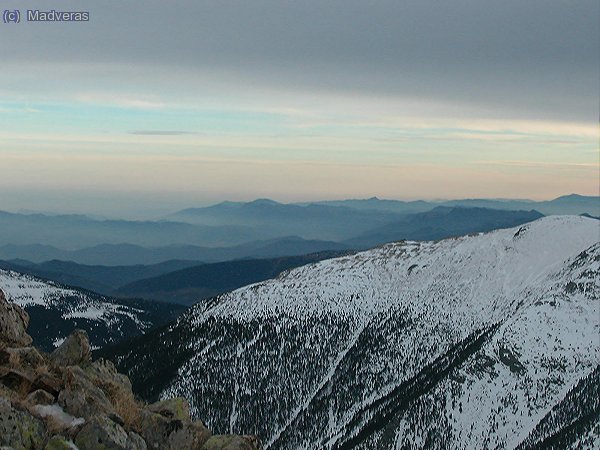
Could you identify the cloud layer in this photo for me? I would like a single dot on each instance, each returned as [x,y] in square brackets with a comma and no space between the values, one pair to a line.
[460,87]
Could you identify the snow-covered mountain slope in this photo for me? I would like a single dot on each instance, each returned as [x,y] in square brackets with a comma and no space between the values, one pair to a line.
[485,341]
[55,311]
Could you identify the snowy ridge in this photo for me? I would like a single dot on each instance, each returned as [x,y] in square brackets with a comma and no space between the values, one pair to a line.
[499,258]
[461,343]
[27,291]
[56,310]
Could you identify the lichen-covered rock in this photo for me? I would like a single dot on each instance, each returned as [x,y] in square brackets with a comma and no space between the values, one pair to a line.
[8,394]
[81,397]
[73,351]
[13,323]
[173,408]
[102,434]
[25,357]
[105,372]
[136,442]
[156,429]
[5,357]
[40,397]
[60,443]
[230,442]
[116,418]
[20,429]
[16,380]
[49,382]
[192,436]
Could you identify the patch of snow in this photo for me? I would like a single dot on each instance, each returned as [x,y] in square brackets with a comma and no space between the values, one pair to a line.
[59,415]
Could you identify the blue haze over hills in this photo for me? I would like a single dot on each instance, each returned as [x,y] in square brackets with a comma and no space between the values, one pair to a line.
[263,228]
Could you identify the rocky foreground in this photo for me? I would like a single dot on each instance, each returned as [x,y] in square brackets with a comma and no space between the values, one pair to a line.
[63,400]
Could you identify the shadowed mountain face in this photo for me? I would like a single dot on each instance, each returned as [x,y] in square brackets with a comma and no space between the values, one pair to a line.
[487,341]
[191,285]
[180,282]
[127,254]
[101,279]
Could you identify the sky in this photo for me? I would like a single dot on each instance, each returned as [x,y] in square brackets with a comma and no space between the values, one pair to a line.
[154,106]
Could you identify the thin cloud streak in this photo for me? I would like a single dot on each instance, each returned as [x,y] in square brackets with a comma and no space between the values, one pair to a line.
[160,133]
[540,164]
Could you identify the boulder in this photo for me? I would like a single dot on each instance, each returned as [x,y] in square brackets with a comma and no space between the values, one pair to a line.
[49,383]
[106,373]
[232,442]
[16,381]
[156,429]
[20,429]
[135,442]
[173,408]
[81,397]
[25,357]
[192,436]
[40,397]
[13,324]
[8,394]
[73,351]
[117,389]
[102,434]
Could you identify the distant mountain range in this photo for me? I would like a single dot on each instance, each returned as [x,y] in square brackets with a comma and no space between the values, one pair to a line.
[485,341]
[565,205]
[75,231]
[262,229]
[443,222]
[438,223]
[346,219]
[311,221]
[128,254]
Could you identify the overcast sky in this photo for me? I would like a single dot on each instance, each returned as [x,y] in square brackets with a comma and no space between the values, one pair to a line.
[156,105]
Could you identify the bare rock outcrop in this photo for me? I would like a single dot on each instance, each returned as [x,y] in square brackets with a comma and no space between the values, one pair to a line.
[66,401]
[73,351]
[13,323]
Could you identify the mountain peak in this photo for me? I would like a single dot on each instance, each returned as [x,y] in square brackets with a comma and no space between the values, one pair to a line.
[574,197]
[263,201]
